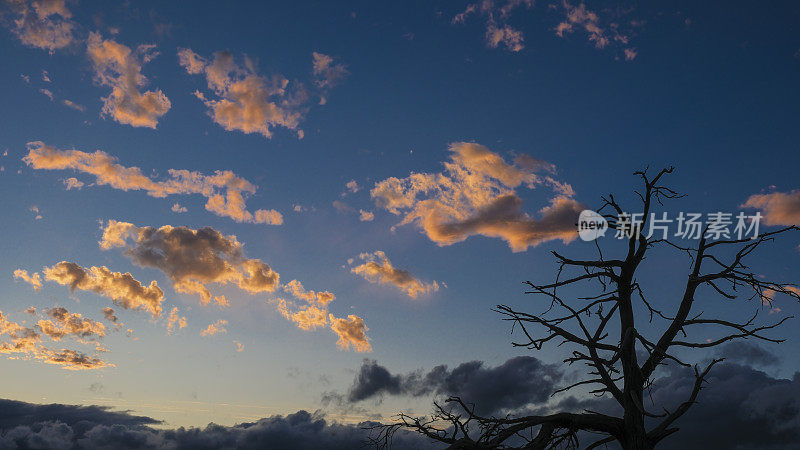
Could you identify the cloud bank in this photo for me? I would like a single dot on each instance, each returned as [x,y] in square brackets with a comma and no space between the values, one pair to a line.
[27,425]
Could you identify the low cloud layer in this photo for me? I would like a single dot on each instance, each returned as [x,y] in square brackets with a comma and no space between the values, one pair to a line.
[243,100]
[226,192]
[741,406]
[120,68]
[476,194]
[378,269]
[26,425]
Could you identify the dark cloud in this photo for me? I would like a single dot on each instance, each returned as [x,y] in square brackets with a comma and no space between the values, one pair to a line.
[747,353]
[15,413]
[739,408]
[24,425]
[192,258]
[518,382]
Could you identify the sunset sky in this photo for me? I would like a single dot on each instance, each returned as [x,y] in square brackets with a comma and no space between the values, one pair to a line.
[215,213]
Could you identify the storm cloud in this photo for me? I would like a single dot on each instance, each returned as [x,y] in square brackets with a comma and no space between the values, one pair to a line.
[518,382]
[26,425]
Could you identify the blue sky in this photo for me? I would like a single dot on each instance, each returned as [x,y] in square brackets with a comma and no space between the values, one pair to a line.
[711,89]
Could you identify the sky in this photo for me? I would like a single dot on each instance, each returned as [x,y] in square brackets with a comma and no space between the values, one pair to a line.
[219,213]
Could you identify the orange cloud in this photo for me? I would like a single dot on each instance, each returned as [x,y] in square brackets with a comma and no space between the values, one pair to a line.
[306,317]
[326,72]
[72,183]
[246,102]
[497,31]
[352,332]
[779,208]
[476,195]
[252,103]
[366,216]
[312,313]
[581,18]
[34,280]
[66,323]
[224,190]
[191,258]
[43,24]
[506,35]
[118,67]
[108,313]
[297,290]
[24,342]
[378,269]
[122,288]
[174,321]
[217,327]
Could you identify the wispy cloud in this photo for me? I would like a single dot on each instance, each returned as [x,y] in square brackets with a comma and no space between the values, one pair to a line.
[217,327]
[224,190]
[73,105]
[498,31]
[35,280]
[310,311]
[575,18]
[175,322]
[249,102]
[378,269]
[44,24]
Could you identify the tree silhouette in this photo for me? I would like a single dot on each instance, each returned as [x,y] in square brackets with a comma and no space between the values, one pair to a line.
[604,333]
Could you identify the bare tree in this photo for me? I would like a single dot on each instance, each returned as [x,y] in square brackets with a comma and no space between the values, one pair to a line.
[622,360]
